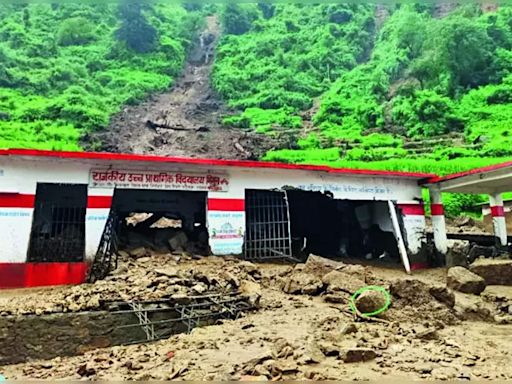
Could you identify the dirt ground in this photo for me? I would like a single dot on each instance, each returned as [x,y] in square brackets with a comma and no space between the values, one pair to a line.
[303,329]
[186,121]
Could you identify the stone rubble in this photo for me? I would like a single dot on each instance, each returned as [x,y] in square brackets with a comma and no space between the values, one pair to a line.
[429,330]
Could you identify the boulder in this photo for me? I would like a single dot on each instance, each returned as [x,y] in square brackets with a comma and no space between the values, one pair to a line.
[321,265]
[313,353]
[178,241]
[458,251]
[139,252]
[463,280]
[370,301]
[443,295]
[252,291]
[341,281]
[493,271]
[480,251]
[302,282]
[354,355]
[355,270]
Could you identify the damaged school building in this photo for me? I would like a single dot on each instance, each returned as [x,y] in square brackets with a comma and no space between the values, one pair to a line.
[63,212]
[65,215]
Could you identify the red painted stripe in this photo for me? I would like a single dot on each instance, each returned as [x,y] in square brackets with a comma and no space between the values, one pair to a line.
[437,209]
[21,275]
[416,266]
[498,211]
[412,209]
[16,200]
[208,162]
[99,201]
[226,204]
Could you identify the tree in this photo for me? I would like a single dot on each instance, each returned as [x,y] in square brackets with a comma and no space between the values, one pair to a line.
[135,30]
[237,20]
[75,31]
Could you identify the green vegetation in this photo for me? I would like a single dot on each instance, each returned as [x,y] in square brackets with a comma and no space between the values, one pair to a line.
[389,98]
[65,69]
[396,87]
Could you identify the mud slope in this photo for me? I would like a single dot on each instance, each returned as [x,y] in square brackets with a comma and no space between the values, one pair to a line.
[186,121]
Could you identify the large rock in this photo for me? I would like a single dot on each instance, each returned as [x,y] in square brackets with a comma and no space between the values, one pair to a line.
[458,251]
[322,265]
[370,301]
[443,295]
[463,280]
[252,291]
[302,282]
[494,272]
[178,241]
[353,355]
[341,281]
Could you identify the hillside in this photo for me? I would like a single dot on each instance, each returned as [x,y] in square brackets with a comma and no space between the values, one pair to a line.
[403,87]
[66,69]
[423,88]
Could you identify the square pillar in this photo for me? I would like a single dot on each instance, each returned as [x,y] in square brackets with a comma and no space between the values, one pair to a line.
[438,220]
[498,219]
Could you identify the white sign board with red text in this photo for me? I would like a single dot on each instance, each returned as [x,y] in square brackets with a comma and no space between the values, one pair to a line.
[186,181]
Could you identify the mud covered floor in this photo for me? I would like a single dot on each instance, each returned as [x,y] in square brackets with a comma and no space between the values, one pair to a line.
[310,334]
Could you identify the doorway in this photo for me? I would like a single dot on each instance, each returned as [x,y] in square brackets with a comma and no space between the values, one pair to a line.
[58,227]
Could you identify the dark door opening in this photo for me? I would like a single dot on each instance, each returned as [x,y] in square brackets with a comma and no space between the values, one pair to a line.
[58,227]
[297,223]
[142,221]
[163,221]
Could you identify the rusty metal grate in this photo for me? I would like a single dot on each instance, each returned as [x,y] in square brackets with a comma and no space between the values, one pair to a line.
[58,229]
[267,225]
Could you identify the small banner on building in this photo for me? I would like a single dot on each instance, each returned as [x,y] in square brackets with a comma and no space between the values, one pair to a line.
[226,232]
[187,181]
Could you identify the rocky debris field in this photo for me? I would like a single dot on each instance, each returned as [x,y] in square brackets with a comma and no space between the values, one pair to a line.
[304,328]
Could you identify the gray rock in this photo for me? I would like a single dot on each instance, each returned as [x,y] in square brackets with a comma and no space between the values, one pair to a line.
[494,272]
[178,241]
[354,355]
[443,295]
[458,251]
[301,282]
[341,281]
[370,301]
[463,280]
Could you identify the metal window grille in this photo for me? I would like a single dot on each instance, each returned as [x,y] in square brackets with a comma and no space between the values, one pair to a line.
[267,225]
[59,235]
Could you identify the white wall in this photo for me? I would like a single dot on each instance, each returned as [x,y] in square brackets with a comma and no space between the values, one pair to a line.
[22,174]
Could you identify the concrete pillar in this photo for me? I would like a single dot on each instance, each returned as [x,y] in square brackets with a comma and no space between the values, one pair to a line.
[438,221]
[498,219]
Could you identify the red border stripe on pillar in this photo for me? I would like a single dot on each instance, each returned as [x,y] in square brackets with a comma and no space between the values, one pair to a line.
[412,209]
[226,204]
[437,209]
[99,201]
[498,211]
[16,200]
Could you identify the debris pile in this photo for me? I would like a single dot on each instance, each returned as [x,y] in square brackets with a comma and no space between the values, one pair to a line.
[144,233]
[298,333]
[146,278]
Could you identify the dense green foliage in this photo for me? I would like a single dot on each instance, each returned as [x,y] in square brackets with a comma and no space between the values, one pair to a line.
[65,69]
[397,87]
[389,97]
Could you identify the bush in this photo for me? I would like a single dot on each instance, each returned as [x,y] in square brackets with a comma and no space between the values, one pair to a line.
[75,31]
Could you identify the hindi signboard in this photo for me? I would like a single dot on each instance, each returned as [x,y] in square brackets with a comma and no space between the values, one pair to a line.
[186,181]
[226,231]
